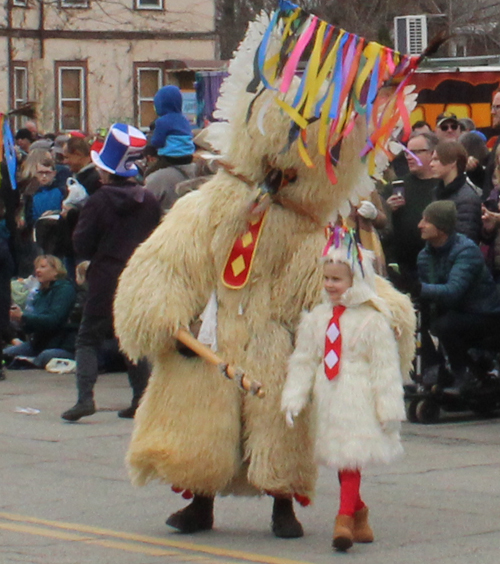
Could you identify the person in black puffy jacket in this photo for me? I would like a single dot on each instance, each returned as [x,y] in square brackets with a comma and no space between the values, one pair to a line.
[448,164]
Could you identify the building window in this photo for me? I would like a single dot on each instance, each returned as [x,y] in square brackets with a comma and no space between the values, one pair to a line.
[149,4]
[20,3]
[74,3]
[148,80]
[19,89]
[71,92]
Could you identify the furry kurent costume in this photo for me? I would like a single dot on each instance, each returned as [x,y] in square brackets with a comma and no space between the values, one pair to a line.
[194,429]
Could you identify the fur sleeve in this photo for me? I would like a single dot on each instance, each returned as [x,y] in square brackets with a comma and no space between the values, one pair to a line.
[302,366]
[384,367]
[168,280]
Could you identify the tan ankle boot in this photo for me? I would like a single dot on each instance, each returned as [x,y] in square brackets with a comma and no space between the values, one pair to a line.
[343,532]
[362,530]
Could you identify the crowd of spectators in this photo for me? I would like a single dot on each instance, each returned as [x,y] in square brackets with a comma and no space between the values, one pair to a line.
[448,256]
[60,215]
[67,230]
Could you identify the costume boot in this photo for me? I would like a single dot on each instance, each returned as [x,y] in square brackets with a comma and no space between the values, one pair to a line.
[285,525]
[362,530]
[343,536]
[197,516]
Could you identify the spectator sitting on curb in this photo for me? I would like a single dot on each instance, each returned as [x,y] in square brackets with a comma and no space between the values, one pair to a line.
[46,324]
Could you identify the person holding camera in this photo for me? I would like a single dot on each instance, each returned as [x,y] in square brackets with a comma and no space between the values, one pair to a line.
[407,200]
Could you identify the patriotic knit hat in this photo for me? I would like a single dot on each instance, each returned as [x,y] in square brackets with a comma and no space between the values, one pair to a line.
[122,146]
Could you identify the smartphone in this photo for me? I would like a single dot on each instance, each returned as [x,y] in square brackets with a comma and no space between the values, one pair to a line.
[398,188]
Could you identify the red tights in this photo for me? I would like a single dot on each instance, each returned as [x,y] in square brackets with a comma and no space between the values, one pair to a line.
[350,500]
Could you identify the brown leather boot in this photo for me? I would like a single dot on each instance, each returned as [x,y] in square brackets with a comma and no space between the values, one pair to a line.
[362,530]
[343,536]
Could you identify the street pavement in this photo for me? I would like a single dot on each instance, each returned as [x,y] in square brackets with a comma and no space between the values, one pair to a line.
[65,497]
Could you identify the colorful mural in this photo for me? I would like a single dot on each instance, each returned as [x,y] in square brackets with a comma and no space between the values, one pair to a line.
[465,92]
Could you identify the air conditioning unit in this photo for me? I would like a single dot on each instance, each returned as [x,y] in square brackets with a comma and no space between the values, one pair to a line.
[410,34]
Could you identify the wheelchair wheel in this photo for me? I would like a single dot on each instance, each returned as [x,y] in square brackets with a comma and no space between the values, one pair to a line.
[411,410]
[427,411]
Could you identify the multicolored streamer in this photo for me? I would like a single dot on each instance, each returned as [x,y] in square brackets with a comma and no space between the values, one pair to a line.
[341,77]
[341,236]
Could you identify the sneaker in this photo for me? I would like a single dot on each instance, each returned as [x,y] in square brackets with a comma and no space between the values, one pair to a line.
[79,410]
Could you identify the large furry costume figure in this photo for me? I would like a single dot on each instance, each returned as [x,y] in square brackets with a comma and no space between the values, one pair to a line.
[194,429]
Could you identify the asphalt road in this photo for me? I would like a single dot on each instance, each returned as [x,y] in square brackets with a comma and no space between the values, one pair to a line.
[65,497]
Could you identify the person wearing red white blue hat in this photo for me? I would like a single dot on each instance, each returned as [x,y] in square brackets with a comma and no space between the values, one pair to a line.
[113,222]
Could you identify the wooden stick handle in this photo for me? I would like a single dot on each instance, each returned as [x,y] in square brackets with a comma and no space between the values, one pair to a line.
[208,354]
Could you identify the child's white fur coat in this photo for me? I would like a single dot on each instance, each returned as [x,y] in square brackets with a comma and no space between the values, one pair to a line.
[352,408]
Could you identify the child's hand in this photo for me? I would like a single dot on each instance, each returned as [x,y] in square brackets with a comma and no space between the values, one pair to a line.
[290,416]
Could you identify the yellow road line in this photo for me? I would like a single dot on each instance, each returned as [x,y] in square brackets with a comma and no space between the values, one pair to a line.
[54,534]
[188,546]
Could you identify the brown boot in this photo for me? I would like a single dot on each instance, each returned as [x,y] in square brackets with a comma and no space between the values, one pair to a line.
[197,516]
[362,530]
[343,532]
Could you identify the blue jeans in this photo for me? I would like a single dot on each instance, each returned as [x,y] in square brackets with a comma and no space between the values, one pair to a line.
[40,360]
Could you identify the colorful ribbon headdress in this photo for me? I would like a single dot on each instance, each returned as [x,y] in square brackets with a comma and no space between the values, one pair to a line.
[343,78]
[344,239]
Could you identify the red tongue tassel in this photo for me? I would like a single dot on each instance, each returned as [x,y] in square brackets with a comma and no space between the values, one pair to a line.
[302,500]
[186,494]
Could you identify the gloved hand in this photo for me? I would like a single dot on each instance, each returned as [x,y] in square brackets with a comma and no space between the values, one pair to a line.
[290,416]
[391,426]
[367,210]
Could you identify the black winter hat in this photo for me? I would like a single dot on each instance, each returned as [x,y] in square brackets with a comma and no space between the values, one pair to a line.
[442,214]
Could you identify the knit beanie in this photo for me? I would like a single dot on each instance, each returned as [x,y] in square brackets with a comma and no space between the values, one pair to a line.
[442,214]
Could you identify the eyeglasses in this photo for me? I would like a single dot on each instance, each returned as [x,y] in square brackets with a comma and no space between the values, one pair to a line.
[447,126]
[417,152]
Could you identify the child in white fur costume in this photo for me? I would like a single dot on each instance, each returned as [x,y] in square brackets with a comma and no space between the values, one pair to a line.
[357,394]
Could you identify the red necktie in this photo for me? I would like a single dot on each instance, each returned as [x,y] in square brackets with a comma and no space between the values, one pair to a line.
[333,344]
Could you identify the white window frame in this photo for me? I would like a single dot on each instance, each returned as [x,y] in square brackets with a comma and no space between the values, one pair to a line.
[140,6]
[74,4]
[20,3]
[17,102]
[161,81]
[83,96]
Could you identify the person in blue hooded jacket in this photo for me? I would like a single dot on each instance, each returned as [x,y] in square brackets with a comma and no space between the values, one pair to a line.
[172,134]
